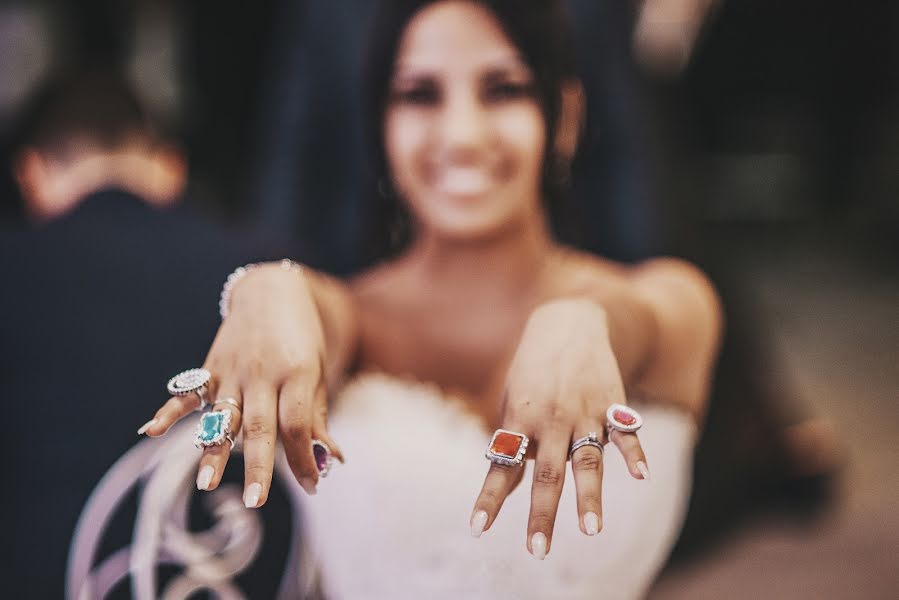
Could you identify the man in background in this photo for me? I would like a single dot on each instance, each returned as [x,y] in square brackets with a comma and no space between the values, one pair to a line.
[111,289]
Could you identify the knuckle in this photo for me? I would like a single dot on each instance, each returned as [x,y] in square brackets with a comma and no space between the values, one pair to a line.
[256,428]
[586,461]
[590,499]
[295,431]
[258,471]
[490,496]
[543,519]
[548,475]
[255,367]
[502,470]
[557,414]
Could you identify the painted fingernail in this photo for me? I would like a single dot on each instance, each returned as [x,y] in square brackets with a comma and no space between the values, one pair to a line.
[205,477]
[251,495]
[308,485]
[591,523]
[478,522]
[538,546]
[143,428]
[644,470]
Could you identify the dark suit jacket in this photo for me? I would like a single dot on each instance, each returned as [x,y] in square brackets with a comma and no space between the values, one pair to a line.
[97,310]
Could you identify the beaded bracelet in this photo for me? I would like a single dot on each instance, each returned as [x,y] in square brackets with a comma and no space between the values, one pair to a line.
[238,274]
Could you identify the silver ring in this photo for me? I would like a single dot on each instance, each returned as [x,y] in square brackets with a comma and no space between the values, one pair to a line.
[191,381]
[228,400]
[591,439]
[323,457]
[507,448]
[214,429]
[623,418]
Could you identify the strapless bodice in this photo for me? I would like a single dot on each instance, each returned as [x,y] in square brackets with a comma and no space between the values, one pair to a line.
[393,521]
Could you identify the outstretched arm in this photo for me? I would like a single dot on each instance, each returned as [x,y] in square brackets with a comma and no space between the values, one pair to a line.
[288,333]
[655,331]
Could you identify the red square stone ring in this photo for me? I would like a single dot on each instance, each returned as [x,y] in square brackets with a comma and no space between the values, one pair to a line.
[623,418]
[507,448]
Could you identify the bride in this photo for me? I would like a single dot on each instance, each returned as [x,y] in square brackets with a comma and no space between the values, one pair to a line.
[475,320]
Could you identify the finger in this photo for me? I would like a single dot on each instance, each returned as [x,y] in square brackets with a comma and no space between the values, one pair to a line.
[215,458]
[586,464]
[320,424]
[629,445]
[549,475]
[260,422]
[295,423]
[170,413]
[498,484]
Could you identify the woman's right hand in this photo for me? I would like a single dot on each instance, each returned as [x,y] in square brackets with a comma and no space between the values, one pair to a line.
[269,357]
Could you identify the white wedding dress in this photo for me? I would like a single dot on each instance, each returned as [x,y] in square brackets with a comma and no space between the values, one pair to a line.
[393,521]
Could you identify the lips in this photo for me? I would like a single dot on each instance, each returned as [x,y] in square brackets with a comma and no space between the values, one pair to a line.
[463,181]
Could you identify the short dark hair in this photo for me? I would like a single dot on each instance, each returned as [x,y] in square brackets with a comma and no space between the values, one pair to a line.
[541,31]
[96,105]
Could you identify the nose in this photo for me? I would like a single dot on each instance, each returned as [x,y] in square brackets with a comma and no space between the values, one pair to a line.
[463,124]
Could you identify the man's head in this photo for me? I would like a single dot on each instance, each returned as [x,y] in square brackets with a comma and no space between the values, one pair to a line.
[84,132]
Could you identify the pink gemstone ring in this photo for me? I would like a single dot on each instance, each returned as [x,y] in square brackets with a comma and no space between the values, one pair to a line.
[323,457]
[623,418]
[507,448]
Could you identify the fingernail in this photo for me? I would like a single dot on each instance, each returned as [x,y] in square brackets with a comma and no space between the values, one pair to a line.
[251,495]
[205,477]
[308,485]
[644,470]
[143,428]
[478,522]
[538,546]
[591,523]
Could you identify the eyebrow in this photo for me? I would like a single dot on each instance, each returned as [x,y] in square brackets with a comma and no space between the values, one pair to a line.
[508,63]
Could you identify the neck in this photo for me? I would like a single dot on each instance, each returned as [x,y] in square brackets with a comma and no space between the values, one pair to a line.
[509,260]
[131,170]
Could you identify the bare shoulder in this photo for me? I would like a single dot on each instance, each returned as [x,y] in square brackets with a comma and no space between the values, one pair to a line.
[669,304]
[690,324]
[680,292]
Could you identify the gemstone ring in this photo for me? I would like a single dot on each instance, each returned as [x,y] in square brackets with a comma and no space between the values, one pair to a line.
[192,381]
[214,429]
[323,457]
[623,418]
[507,448]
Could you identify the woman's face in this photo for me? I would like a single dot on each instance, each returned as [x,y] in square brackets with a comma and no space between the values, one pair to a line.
[464,133]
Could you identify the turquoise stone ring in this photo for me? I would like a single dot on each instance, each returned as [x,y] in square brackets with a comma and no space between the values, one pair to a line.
[213,429]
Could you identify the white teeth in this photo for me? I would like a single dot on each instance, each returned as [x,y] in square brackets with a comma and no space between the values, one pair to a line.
[464,181]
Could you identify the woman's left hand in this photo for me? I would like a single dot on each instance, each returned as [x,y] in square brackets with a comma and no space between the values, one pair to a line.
[562,379]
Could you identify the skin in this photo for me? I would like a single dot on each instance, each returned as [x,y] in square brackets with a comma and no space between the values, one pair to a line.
[535,337]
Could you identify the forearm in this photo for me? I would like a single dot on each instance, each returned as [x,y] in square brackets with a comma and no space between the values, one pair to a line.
[340,321]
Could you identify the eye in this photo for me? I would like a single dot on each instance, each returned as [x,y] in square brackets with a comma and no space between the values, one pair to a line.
[422,93]
[500,91]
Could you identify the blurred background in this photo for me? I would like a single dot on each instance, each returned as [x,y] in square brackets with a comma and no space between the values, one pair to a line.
[759,138]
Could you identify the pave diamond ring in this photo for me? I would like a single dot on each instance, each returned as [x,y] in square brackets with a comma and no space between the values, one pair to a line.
[192,381]
[591,439]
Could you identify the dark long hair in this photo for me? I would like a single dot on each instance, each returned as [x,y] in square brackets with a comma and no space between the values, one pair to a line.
[541,31]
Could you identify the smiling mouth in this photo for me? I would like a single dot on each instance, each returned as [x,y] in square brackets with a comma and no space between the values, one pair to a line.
[463,181]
